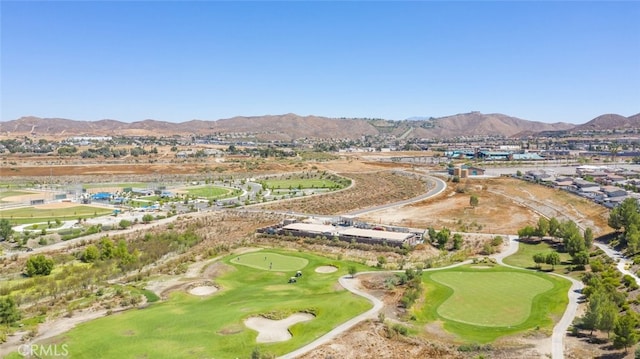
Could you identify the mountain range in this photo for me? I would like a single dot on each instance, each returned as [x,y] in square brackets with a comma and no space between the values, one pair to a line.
[291,127]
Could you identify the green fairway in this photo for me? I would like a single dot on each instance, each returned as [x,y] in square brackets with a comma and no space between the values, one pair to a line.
[188,326]
[26,215]
[300,183]
[212,192]
[481,305]
[270,261]
[493,299]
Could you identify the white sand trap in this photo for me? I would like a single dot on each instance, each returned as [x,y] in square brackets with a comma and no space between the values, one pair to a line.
[203,290]
[326,269]
[270,331]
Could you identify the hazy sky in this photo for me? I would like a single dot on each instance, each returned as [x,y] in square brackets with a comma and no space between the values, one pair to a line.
[178,61]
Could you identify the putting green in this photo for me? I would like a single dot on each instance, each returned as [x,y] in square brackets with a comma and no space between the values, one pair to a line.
[490,299]
[270,261]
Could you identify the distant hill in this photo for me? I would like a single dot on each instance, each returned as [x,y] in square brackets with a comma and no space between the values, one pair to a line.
[610,122]
[290,126]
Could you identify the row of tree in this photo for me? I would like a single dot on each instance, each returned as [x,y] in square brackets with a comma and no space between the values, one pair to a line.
[574,241]
[625,218]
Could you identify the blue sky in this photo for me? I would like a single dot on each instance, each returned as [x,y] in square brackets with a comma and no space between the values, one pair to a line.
[178,61]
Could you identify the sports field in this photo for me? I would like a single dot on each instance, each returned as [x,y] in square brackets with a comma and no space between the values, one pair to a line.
[482,304]
[45,213]
[13,193]
[189,326]
[212,192]
[271,261]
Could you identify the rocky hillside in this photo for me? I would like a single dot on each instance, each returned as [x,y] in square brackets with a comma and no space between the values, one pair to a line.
[291,126]
[610,122]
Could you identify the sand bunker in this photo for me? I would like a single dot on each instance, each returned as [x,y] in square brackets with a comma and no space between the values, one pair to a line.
[326,269]
[203,290]
[270,331]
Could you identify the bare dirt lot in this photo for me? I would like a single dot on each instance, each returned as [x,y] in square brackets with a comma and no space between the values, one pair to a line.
[505,205]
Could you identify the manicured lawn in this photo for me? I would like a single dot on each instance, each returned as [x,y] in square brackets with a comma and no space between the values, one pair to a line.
[524,257]
[36,215]
[187,326]
[271,261]
[212,192]
[481,305]
[505,302]
[300,183]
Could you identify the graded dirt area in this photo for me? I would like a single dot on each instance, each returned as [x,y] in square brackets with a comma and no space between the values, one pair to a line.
[504,206]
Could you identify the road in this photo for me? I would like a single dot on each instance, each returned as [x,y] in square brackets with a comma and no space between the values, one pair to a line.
[439,187]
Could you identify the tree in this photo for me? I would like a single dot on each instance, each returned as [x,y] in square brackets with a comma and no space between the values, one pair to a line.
[588,238]
[5,230]
[581,258]
[543,227]
[124,224]
[632,238]
[473,201]
[90,254]
[553,259]
[9,312]
[39,265]
[539,258]
[457,241]
[443,238]
[609,312]
[381,261]
[526,232]
[624,214]
[147,218]
[107,248]
[625,331]
[352,271]
[590,319]
[554,225]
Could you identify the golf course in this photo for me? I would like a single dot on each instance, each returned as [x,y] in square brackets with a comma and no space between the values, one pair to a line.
[187,325]
[482,304]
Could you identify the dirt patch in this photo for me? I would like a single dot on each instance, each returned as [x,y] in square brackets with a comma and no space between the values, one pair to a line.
[452,210]
[326,269]
[271,331]
[232,329]
[216,269]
